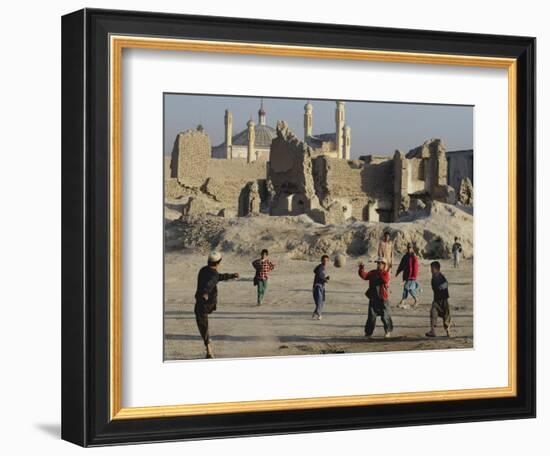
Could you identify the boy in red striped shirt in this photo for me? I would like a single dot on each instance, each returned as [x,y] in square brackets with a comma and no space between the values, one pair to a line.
[263,267]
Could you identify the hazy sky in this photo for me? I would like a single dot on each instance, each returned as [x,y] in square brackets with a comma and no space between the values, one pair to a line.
[376,128]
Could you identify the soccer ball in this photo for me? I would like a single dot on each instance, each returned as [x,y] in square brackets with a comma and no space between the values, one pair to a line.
[339,260]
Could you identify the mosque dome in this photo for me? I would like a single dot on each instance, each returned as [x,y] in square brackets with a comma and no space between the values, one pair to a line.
[263,134]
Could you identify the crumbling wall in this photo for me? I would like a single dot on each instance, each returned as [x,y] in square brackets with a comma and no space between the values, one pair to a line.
[365,191]
[374,159]
[297,181]
[227,178]
[221,181]
[432,172]
[377,179]
[250,199]
[340,181]
[290,174]
[401,199]
[466,192]
[415,175]
[190,158]
[172,189]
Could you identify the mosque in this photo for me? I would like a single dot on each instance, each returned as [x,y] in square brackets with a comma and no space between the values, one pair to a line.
[254,142]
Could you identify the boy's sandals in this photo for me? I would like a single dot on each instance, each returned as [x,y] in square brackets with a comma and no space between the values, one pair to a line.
[431,334]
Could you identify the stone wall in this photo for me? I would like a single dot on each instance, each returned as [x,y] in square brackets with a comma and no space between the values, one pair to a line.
[340,181]
[367,189]
[421,174]
[227,178]
[290,174]
[190,157]
[378,179]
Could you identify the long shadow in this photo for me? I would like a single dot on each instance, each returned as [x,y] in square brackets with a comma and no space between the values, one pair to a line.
[317,339]
[427,315]
[329,291]
[306,313]
[225,337]
[351,339]
[182,315]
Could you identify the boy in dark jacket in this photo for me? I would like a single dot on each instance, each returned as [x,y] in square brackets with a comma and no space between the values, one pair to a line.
[319,281]
[440,304]
[378,295]
[409,267]
[206,296]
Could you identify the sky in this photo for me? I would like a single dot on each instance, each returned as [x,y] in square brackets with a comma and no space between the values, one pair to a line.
[377,128]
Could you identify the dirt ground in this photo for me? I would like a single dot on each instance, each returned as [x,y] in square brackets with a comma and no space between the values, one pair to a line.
[283,324]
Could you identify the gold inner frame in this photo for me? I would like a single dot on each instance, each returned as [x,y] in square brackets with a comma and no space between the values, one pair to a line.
[117,44]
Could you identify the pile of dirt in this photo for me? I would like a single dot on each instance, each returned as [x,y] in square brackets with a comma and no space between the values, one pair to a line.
[432,231]
[198,233]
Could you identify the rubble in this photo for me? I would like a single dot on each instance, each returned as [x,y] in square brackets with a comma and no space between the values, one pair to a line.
[299,237]
[466,192]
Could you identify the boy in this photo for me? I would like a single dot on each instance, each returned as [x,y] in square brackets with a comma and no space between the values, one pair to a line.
[319,281]
[206,296]
[440,305]
[263,267]
[409,267]
[385,250]
[456,250]
[378,294]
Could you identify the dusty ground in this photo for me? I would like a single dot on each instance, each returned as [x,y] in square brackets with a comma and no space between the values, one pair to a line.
[283,325]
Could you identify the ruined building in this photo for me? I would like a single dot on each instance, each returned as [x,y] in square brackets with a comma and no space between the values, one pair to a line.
[298,179]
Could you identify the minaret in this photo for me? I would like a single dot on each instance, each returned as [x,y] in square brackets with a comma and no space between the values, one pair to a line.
[308,120]
[347,142]
[251,141]
[261,114]
[340,120]
[228,133]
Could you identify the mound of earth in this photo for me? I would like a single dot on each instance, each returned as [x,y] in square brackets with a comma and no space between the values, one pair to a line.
[432,231]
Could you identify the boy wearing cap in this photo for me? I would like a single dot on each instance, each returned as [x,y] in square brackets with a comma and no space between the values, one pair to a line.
[440,305]
[206,296]
[409,267]
[263,267]
[378,295]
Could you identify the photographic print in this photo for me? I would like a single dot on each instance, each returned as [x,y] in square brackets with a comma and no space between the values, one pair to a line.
[255,221]
[310,227]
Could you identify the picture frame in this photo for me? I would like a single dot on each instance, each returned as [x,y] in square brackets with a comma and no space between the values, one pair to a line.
[92,45]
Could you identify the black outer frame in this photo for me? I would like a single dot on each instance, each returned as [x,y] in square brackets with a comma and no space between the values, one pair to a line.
[85,227]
